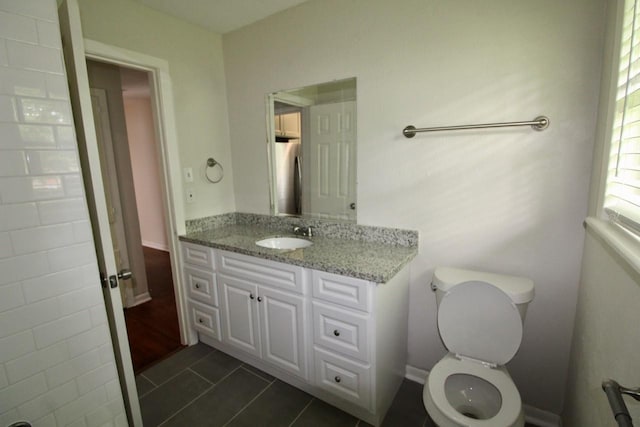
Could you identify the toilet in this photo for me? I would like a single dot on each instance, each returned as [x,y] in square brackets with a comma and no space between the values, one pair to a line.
[480,319]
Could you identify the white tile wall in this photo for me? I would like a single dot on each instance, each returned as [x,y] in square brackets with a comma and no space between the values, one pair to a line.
[56,359]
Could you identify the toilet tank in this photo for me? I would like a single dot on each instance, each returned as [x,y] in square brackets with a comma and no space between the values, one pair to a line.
[519,289]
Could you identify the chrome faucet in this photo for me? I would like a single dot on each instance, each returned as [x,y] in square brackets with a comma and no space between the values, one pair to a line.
[303,231]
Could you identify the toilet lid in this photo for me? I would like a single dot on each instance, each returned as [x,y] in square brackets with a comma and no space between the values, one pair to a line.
[479,321]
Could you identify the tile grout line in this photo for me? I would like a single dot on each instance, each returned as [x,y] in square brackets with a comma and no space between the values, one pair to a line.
[143,376]
[249,403]
[258,375]
[301,412]
[175,375]
[188,404]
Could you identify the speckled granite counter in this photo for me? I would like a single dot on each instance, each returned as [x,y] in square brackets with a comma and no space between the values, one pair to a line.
[355,253]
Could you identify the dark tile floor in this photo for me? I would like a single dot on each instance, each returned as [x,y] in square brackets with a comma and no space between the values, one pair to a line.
[200,386]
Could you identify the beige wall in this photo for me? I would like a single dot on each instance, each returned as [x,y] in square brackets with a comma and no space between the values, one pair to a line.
[197,76]
[509,200]
[146,177]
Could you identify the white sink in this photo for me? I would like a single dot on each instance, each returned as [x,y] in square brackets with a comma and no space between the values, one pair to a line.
[284,243]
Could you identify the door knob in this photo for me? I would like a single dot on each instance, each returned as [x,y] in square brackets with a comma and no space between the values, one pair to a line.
[125,274]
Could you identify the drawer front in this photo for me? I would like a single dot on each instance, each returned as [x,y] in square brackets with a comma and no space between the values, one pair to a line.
[198,255]
[205,319]
[347,291]
[201,285]
[344,378]
[260,271]
[341,331]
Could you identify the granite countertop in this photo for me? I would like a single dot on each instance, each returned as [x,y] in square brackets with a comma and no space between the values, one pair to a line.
[374,261]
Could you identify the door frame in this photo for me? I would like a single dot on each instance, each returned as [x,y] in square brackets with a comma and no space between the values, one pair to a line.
[167,152]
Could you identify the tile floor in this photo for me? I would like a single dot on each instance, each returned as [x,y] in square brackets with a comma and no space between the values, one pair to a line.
[200,386]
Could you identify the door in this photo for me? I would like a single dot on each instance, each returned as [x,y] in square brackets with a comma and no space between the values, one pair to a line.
[282,321]
[332,148]
[73,48]
[240,314]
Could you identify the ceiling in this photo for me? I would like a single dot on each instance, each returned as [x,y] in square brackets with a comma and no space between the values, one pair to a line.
[221,16]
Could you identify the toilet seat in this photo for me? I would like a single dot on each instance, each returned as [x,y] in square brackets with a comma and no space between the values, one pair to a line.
[510,413]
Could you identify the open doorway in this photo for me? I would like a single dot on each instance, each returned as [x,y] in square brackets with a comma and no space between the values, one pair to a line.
[124,121]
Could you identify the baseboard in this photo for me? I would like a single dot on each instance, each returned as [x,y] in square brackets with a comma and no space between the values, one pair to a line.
[532,415]
[541,418]
[140,299]
[154,245]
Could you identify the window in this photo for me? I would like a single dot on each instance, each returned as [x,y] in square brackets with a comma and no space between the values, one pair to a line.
[622,196]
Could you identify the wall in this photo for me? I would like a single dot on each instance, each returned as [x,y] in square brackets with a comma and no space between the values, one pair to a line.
[509,200]
[56,358]
[146,176]
[197,75]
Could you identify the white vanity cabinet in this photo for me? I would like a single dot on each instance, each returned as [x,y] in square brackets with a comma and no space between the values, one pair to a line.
[341,339]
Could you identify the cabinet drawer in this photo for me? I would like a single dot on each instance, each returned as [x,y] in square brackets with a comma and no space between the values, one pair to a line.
[347,291]
[344,378]
[198,255]
[342,331]
[260,271]
[205,319]
[201,285]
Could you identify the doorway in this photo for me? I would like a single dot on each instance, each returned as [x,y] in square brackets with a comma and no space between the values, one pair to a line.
[125,127]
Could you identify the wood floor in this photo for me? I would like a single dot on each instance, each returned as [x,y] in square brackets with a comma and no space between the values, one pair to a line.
[153,326]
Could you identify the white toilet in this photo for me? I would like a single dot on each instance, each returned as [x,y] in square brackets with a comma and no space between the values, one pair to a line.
[480,318]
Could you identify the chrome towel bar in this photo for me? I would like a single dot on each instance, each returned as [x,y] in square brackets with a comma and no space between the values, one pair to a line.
[539,123]
[614,392]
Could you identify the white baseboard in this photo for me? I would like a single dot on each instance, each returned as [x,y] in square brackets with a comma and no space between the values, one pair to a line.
[154,245]
[532,415]
[140,299]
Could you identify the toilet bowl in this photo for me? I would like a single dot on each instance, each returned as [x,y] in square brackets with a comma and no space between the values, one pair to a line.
[480,319]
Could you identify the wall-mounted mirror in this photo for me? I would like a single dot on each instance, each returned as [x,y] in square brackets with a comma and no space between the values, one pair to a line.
[312,150]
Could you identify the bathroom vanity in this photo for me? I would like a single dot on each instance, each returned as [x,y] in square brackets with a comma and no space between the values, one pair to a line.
[330,319]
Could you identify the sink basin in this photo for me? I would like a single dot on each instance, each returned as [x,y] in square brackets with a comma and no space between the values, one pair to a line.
[284,243]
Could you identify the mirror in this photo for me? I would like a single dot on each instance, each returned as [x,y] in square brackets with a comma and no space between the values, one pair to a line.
[312,151]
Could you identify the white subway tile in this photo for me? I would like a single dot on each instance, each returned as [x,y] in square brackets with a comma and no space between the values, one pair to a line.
[114,392]
[72,256]
[19,393]
[34,57]
[15,27]
[19,136]
[80,423]
[62,328]
[65,210]
[34,8]
[37,361]
[81,406]
[66,137]
[22,82]
[70,369]
[48,34]
[16,345]
[45,111]
[89,340]
[4,381]
[8,111]
[121,420]
[13,163]
[57,87]
[52,161]
[11,296]
[4,59]
[106,353]
[28,316]
[29,189]
[91,275]
[105,415]
[6,249]
[98,315]
[50,401]
[46,421]
[14,217]
[52,285]
[9,417]
[23,267]
[96,378]
[82,232]
[43,238]
[80,300]
[73,185]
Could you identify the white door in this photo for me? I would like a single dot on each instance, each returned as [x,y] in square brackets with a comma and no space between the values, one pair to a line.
[73,48]
[282,320]
[240,326]
[331,160]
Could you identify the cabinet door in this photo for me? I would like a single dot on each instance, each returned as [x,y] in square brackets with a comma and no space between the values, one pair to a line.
[282,317]
[240,314]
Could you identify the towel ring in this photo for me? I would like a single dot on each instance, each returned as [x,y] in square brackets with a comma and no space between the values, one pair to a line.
[211,163]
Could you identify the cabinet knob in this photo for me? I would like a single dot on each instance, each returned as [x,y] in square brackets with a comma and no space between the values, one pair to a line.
[337,378]
[336,333]
[197,285]
[251,296]
[200,320]
[259,299]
